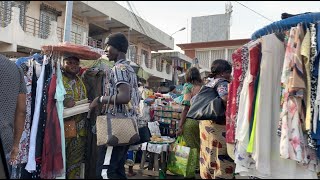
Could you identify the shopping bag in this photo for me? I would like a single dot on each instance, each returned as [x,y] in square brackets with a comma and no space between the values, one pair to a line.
[182,159]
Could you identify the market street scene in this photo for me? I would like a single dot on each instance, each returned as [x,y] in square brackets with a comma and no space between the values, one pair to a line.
[159,90]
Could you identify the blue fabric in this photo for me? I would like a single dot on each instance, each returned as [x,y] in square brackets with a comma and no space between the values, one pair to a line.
[36,56]
[286,24]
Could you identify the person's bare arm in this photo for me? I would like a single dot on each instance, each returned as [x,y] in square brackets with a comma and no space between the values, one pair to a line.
[225,100]
[20,116]
[183,119]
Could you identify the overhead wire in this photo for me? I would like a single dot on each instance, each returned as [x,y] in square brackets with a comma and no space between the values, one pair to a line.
[254,11]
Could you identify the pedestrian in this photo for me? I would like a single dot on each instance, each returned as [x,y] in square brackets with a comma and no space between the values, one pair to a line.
[172,92]
[123,81]
[189,128]
[214,141]
[12,108]
[75,128]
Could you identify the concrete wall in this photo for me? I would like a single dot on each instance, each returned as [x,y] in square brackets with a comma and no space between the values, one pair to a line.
[210,28]
[116,11]
[14,35]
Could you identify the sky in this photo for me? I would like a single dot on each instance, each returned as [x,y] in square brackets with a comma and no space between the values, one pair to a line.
[170,16]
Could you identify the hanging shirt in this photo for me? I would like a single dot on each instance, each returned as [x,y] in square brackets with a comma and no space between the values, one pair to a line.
[31,165]
[25,137]
[52,161]
[59,96]
[232,107]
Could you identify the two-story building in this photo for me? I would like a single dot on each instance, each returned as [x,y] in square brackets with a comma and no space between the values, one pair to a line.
[207,52]
[27,25]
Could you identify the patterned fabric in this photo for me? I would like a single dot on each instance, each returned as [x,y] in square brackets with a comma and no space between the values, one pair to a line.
[293,143]
[222,87]
[214,160]
[314,81]
[122,72]
[75,147]
[242,134]
[25,137]
[291,131]
[240,66]
[231,103]
[191,133]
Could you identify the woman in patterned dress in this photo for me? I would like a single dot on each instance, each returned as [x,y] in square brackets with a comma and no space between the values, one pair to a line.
[189,128]
[75,145]
[214,160]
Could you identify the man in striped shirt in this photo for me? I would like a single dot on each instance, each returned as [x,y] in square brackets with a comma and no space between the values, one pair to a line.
[122,82]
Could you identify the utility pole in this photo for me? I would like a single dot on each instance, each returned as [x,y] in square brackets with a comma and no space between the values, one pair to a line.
[68,22]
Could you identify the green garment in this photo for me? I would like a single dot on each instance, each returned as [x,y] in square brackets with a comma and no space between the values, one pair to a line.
[253,133]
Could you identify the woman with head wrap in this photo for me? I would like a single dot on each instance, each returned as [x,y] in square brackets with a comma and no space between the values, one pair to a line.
[75,126]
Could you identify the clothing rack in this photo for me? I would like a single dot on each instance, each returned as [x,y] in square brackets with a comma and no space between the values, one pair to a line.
[286,24]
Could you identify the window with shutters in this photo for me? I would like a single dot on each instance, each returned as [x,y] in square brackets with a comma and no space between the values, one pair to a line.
[6,12]
[203,58]
[47,14]
[230,52]
[217,54]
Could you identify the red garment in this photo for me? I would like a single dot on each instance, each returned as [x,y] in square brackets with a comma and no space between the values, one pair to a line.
[231,109]
[52,162]
[255,57]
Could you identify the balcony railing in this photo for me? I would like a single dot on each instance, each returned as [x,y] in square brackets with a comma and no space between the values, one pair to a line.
[76,38]
[95,43]
[36,27]
[60,33]
[5,16]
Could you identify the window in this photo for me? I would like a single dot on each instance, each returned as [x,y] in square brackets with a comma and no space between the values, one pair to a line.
[6,12]
[230,52]
[203,57]
[47,14]
[77,32]
[132,52]
[145,58]
[217,54]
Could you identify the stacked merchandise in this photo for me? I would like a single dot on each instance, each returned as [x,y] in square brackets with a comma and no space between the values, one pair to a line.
[168,118]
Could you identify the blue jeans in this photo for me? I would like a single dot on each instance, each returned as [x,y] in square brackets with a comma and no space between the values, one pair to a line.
[115,169]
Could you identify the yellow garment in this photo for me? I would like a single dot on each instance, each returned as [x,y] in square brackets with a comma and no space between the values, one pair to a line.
[253,133]
[305,52]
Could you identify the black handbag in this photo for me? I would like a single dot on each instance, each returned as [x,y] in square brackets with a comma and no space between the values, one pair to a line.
[144,134]
[207,105]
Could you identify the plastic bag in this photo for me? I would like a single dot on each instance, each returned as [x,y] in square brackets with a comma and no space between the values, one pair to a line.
[182,159]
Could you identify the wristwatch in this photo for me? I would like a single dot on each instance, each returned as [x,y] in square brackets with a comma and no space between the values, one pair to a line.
[100,99]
